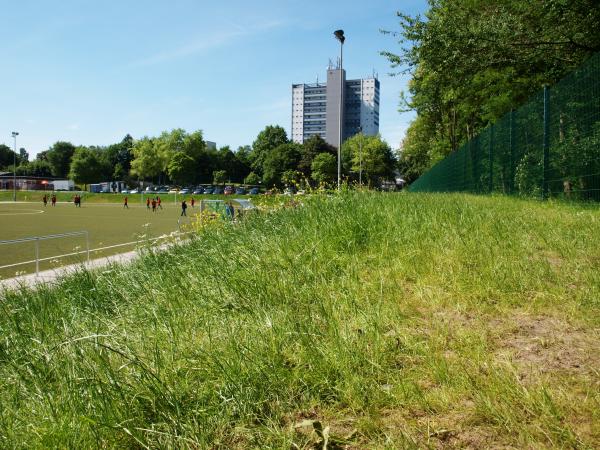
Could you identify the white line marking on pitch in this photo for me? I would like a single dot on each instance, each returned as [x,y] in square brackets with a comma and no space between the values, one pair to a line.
[33,211]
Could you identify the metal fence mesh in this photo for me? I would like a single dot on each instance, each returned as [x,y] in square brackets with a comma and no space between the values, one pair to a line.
[549,147]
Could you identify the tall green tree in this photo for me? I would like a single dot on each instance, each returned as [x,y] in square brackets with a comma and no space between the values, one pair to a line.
[86,166]
[59,156]
[266,141]
[312,147]
[7,157]
[244,156]
[370,153]
[324,168]
[471,61]
[182,168]
[220,176]
[282,158]
[24,155]
[35,168]
[147,162]
[252,179]
[119,157]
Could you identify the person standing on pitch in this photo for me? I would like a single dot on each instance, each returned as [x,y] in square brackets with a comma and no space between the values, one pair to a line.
[147,202]
[125,203]
[183,208]
[45,200]
[53,199]
[159,202]
[193,202]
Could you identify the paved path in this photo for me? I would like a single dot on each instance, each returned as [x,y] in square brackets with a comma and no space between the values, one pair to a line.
[49,276]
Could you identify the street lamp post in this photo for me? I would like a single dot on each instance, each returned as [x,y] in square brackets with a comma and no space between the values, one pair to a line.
[339,35]
[14,135]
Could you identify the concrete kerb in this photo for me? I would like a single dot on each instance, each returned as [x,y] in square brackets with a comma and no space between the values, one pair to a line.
[54,275]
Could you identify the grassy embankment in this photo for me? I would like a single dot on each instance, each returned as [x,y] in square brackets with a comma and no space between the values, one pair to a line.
[394,320]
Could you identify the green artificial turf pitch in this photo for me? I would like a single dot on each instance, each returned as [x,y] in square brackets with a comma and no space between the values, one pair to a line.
[107,225]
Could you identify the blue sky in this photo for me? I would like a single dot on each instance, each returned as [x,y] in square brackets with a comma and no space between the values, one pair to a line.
[90,72]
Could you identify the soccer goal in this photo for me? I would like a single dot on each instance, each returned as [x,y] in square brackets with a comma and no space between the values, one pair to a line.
[43,252]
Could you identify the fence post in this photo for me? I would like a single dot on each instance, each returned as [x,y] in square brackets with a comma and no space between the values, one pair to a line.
[491,157]
[511,183]
[37,255]
[87,243]
[546,160]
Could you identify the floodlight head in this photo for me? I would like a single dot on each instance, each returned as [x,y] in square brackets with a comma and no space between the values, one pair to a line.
[15,134]
[339,35]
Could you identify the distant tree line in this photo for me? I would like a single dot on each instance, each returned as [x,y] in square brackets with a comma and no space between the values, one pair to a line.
[472,61]
[182,158]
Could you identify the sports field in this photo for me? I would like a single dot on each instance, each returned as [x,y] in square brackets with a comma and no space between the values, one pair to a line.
[107,225]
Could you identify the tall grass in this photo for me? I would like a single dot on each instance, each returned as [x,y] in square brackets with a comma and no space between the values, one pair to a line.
[382,316]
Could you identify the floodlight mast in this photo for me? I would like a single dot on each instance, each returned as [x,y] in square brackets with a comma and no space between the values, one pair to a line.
[339,35]
[14,135]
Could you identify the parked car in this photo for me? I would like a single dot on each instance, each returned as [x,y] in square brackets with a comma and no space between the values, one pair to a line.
[208,190]
[198,191]
[184,191]
[217,190]
[173,191]
[124,191]
[240,190]
[134,191]
[150,190]
[228,190]
[254,191]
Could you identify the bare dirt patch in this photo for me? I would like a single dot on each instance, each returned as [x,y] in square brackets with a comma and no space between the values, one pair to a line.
[542,344]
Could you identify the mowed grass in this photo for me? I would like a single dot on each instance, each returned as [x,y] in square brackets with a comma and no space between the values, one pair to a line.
[364,320]
[107,225]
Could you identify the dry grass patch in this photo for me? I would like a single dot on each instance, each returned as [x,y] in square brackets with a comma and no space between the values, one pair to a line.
[539,344]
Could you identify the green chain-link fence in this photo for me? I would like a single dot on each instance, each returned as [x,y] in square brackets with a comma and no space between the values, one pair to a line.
[548,147]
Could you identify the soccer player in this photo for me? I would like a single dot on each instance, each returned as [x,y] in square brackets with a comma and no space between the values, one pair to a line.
[153,205]
[193,201]
[45,200]
[183,208]
[125,203]
[159,202]
[148,203]
[53,199]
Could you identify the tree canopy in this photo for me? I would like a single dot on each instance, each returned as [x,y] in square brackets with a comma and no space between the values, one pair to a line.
[324,168]
[472,61]
[86,166]
[183,158]
[283,158]
[59,156]
[371,154]
[268,139]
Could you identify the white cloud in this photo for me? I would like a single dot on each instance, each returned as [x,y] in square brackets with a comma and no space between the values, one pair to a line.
[73,127]
[207,42]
